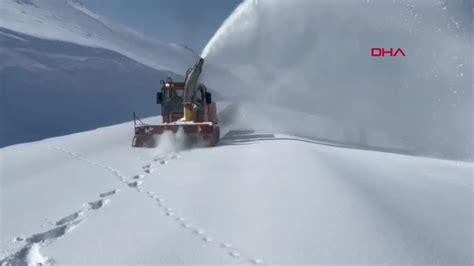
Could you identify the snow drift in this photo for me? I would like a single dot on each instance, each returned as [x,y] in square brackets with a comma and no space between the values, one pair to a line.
[315,56]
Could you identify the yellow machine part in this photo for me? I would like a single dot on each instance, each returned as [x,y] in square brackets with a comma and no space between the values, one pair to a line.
[188,112]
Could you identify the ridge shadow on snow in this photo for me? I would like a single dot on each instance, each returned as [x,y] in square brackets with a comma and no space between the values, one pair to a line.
[249,136]
[245,123]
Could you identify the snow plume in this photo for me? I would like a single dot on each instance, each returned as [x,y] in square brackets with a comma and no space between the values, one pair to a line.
[315,57]
[169,142]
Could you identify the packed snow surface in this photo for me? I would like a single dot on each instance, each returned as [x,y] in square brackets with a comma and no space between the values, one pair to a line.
[258,197]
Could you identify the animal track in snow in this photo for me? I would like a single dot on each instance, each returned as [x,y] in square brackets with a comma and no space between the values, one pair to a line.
[69,218]
[30,251]
[138,176]
[256,261]
[108,193]
[134,184]
[53,233]
[149,169]
[187,225]
[226,245]
[199,232]
[207,239]
[95,205]
[175,156]
[234,254]
[18,239]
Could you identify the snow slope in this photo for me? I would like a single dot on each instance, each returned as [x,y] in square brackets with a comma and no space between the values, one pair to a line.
[315,57]
[64,63]
[259,197]
[61,82]
[70,21]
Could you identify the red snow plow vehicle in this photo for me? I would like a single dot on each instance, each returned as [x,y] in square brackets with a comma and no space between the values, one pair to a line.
[187,109]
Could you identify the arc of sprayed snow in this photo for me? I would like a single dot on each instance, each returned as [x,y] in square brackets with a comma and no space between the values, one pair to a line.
[241,10]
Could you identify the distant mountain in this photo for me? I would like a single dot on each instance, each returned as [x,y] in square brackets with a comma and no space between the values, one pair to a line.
[71,21]
[64,69]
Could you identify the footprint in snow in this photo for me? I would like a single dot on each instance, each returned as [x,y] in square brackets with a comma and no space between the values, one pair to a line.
[134,184]
[149,170]
[256,261]
[109,193]
[69,218]
[199,232]
[138,177]
[159,159]
[53,233]
[95,205]
[207,239]
[234,254]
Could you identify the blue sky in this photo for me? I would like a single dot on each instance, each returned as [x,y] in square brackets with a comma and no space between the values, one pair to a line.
[186,22]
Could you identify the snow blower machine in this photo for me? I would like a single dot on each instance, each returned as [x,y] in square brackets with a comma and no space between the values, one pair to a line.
[187,111]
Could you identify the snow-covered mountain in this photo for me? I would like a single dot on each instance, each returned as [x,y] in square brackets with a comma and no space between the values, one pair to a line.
[64,69]
[70,21]
[259,197]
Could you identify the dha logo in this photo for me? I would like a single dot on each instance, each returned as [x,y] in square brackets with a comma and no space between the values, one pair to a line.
[376,52]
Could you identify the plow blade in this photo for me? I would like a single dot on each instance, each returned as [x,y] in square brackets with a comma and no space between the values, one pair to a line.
[190,135]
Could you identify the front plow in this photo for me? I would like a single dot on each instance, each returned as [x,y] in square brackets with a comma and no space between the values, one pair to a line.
[188,134]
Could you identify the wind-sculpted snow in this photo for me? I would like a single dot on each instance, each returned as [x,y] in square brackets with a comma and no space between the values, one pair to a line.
[315,56]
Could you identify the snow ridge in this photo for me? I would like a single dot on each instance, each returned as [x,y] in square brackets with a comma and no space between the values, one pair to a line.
[71,21]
